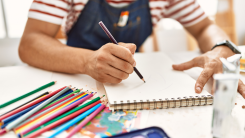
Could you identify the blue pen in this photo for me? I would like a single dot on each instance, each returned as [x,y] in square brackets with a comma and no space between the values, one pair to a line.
[74,121]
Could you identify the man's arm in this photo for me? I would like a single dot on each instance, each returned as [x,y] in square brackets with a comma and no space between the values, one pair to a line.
[39,48]
[207,35]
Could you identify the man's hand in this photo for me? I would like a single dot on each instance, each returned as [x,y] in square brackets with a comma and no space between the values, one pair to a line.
[211,64]
[111,63]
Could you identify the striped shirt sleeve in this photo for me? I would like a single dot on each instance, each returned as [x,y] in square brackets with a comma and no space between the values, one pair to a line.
[187,12]
[52,11]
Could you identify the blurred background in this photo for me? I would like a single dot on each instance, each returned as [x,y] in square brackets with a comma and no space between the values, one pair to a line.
[168,35]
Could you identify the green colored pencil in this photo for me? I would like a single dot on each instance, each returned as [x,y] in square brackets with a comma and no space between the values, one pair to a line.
[64,115]
[27,94]
[76,91]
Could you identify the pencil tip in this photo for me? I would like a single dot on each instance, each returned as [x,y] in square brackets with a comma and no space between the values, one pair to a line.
[143,80]
[55,82]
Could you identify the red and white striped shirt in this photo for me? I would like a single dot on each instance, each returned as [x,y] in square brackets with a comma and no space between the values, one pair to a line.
[187,12]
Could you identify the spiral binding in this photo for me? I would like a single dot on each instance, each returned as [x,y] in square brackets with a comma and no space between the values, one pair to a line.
[163,104]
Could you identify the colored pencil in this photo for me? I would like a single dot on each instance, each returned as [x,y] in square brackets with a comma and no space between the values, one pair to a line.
[115,42]
[76,91]
[15,116]
[74,121]
[34,117]
[30,104]
[27,94]
[65,117]
[52,105]
[34,120]
[85,121]
[22,118]
[39,96]
[62,120]
[59,112]
[45,114]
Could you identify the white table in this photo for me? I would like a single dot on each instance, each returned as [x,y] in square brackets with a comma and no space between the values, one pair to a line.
[185,122]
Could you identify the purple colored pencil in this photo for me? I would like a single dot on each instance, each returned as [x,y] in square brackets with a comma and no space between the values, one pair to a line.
[115,42]
[85,121]
[59,112]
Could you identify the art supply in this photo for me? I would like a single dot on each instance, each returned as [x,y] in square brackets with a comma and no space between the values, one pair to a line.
[65,117]
[52,105]
[85,121]
[13,117]
[225,86]
[60,120]
[38,115]
[31,104]
[73,121]
[27,94]
[115,42]
[25,116]
[165,87]
[46,93]
[59,112]
[76,91]
[46,114]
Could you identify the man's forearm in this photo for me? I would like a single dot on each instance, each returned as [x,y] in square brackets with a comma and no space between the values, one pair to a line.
[45,52]
[210,36]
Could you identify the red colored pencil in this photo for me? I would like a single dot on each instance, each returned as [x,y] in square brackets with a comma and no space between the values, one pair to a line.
[30,104]
[61,121]
[61,111]
[46,108]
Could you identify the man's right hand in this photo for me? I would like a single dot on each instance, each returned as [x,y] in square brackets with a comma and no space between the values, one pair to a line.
[111,63]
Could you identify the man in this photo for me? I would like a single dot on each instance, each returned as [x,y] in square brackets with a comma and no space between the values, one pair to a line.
[88,51]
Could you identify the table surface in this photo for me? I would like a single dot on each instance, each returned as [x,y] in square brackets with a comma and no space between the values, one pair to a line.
[185,122]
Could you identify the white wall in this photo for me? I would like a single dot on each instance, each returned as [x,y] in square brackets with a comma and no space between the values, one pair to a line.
[239,9]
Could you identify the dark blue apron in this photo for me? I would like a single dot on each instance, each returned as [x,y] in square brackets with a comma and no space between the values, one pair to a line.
[86,32]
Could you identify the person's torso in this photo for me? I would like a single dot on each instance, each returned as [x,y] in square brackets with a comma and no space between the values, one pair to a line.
[86,32]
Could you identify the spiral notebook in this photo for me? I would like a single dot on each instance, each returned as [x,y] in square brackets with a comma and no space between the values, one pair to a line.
[164,87]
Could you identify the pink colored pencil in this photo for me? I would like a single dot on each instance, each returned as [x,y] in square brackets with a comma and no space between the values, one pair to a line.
[31,104]
[46,108]
[56,114]
[85,121]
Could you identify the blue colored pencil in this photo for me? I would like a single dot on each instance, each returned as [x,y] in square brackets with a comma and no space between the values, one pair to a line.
[13,117]
[74,121]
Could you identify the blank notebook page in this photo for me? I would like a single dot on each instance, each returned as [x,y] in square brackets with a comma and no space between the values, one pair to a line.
[161,81]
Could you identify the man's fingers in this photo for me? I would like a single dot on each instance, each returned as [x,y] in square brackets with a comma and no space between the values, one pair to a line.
[130,46]
[114,72]
[203,78]
[121,65]
[111,79]
[186,65]
[241,88]
[122,53]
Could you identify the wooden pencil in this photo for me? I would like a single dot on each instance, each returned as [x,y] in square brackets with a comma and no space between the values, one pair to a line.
[74,121]
[22,118]
[59,112]
[38,115]
[68,115]
[76,91]
[85,121]
[61,121]
[34,120]
[115,42]
[39,96]
[30,104]
[27,94]
[15,116]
